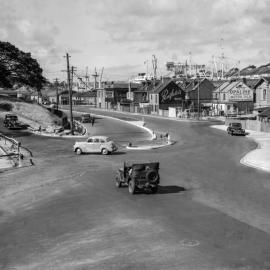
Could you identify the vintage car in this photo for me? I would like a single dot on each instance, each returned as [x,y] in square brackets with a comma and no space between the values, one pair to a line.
[236,129]
[138,176]
[86,118]
[11,122]
[95,144]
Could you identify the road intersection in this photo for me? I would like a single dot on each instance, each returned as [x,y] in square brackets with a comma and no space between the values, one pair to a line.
[211,212]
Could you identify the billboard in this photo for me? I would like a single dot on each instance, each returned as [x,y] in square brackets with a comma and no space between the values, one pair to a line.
[240,93]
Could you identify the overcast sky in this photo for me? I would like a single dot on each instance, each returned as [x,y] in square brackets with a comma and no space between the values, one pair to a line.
[122,34]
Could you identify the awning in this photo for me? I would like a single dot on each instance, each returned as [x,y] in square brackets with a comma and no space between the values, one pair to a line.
[265,113]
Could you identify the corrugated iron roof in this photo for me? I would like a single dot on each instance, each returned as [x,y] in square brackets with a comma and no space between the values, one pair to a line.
[265,113]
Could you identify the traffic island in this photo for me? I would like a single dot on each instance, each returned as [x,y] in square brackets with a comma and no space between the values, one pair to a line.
[149,145]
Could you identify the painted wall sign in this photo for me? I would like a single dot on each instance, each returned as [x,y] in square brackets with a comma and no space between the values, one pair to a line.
[169,95]
[240,93]
[109,94]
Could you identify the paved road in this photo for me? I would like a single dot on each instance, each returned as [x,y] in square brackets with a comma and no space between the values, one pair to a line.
[65,213]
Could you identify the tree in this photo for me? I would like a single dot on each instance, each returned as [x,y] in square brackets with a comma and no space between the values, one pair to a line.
[18,67]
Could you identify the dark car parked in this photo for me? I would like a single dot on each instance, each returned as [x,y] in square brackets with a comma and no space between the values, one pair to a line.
[236,129]
[86,118]
[11,122]
[139,176]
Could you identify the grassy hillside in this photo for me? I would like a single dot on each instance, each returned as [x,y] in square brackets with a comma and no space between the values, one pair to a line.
[31,114]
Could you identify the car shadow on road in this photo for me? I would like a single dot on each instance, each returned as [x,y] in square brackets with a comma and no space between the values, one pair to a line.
[118,153]
[170,189]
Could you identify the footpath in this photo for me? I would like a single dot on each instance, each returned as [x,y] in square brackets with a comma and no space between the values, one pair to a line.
[260,157]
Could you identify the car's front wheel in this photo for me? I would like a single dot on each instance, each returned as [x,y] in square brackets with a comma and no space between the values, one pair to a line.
[78,151]
[104,151]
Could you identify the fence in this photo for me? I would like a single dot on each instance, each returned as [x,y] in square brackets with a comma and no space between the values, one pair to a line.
[20,156]
[255,125]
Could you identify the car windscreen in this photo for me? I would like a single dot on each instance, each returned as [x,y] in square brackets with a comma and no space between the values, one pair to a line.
[108,139]
[236,125]
[13,117]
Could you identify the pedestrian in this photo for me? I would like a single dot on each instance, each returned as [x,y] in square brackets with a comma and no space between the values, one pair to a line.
[93,121]
[168,139]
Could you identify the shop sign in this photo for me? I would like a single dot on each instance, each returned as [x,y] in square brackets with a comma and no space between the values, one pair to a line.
[240,94]
[169,95]
[109,94]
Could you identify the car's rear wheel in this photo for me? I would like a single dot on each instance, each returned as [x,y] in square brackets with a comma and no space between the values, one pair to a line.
[78,151]
[131,186]
[104,151]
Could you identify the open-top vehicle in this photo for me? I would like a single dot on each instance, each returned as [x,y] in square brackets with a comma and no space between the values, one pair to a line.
[138,176]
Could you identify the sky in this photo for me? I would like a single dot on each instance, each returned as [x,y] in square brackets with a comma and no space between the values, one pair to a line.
[123,35]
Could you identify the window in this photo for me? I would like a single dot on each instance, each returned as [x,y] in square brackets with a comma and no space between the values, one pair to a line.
[102,141]
[264,94]
[156,98]
[224,96]
[96,140]
[90,140]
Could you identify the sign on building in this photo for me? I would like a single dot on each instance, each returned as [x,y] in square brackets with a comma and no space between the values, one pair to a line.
[240,93]
[109,94]
[168,95]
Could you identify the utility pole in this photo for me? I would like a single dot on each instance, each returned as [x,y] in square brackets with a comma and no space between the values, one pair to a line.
[100,78]
[154,63]
[70,94]
[86,79]
[57,94]
[198,99]
[95,75]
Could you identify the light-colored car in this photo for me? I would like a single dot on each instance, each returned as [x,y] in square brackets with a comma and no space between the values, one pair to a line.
[95,144]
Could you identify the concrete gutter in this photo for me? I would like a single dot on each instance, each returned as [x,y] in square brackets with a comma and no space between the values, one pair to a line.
[149,147]
[260,157]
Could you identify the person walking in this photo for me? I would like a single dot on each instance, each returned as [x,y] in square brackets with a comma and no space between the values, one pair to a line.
[93,121]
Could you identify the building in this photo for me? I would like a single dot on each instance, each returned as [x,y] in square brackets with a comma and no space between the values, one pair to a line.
[64,97]
[233,98]
[166,94]
[114,94]
[199,95]
[85,98]
[262,94]
[218,107]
